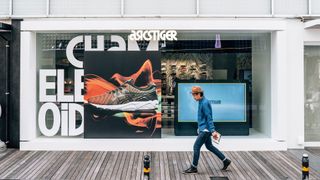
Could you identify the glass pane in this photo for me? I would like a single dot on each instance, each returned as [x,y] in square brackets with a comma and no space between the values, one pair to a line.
[51,55]
[312,93]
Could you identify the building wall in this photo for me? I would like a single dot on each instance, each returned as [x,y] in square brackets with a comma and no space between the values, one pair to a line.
[142,8]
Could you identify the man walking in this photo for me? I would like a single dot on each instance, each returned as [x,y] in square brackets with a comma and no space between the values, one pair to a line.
[205,130]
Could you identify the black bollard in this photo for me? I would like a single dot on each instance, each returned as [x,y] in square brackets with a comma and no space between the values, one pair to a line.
[305,166]
[146,166]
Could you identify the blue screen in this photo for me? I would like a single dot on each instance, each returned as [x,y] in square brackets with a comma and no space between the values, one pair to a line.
[228,101]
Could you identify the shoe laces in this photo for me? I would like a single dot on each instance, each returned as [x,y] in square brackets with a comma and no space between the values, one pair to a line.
[120,88]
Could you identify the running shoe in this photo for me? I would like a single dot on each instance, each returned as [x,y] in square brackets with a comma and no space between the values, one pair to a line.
[127,97]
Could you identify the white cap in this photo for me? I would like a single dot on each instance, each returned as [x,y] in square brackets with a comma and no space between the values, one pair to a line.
[305,155]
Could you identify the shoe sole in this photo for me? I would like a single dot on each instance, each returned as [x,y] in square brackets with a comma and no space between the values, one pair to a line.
[131,106]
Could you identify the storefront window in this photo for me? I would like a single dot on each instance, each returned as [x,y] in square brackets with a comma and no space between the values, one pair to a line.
[312,93]
[194,57]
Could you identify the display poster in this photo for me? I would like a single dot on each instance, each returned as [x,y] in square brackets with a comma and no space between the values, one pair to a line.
[122,94]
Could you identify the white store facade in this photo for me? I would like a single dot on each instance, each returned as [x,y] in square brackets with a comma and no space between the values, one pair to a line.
[281,48]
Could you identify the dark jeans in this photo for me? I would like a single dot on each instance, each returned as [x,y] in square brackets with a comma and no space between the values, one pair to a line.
[204,138]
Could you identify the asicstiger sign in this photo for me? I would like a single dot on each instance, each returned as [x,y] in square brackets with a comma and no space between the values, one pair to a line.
[156,35]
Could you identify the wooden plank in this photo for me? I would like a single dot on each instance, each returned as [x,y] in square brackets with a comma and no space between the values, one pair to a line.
[76,165]
[161,163]
[204,171]
[252,165]
[214,167]
[63,168]
[279,163]
[240,170]
[264,162]
[37,167]
[111,165]
[6,154]
[170,165]
[176,165]
[121,165]
[26,166]
[125,167]
[164,165]
[13,160]
[245,162]
[14,170]
[103,165]
[84,165]
[73,165]
[89,166]
[257,162]
[52,166]
[56,166]
[130,166]
[140,166]
[98,165]
[134,166]
[94,165]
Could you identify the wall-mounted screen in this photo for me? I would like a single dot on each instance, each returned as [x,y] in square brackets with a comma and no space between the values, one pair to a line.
[228,101]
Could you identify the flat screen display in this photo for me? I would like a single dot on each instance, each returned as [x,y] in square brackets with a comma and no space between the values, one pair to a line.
[228,101]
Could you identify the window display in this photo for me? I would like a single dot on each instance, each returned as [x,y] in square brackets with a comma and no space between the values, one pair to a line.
[228,101]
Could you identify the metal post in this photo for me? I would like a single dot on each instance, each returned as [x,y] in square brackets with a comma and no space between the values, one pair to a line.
[305,166]
[146,167]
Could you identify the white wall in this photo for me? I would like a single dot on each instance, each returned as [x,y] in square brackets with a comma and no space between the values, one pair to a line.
[312,36]
[261,84]
[4,7]
[295,78]
[237,7]
[28,111]
[119,8]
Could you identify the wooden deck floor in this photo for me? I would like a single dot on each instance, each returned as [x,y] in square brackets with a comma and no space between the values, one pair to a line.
[254,165]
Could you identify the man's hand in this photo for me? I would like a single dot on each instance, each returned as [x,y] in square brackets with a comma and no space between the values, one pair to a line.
[215,135]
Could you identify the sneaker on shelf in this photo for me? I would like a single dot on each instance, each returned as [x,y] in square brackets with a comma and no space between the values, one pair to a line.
[203,67]
[127,97]
[173,67]
[203,75]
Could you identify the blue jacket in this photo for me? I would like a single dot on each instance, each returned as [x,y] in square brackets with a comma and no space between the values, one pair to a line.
[205,120]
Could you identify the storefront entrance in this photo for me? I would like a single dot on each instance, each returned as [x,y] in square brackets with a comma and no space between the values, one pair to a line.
[5,38]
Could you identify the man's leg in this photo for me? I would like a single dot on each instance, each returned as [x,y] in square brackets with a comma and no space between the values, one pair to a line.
[196,152]
[201,139]
[217,152]
[214,150]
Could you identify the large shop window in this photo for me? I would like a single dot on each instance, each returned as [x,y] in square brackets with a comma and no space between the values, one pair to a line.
[312,93]
[212,57]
